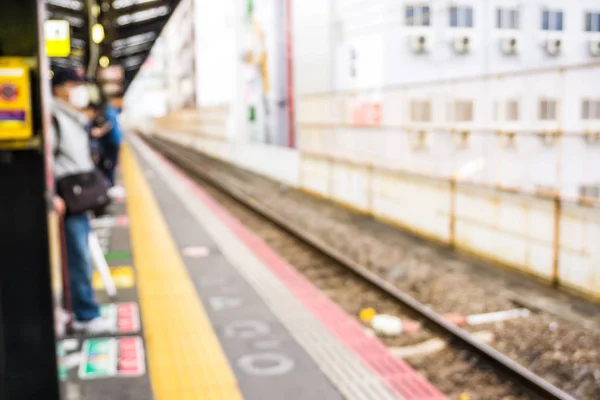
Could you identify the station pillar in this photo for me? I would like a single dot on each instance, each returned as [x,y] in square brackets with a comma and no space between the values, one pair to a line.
[28,368]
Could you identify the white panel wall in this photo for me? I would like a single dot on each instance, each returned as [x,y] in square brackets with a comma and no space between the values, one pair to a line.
[216,52]
[419,205]
[579,252]
[178,56]
[313,35]
[279,163]
[512,229]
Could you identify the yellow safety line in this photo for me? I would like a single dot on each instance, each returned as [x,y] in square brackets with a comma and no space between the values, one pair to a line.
[185,358]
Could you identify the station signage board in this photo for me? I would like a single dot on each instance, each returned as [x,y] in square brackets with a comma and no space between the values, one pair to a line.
[57,34]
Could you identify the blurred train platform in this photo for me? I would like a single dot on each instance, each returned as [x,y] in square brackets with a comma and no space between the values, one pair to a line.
[206,310]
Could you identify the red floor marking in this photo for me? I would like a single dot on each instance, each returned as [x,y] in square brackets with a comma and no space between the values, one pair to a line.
[122,221]
[398,375]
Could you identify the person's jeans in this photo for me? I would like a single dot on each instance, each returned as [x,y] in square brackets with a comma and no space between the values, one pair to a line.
[77,230]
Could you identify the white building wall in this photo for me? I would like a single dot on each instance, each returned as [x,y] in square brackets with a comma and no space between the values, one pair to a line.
[179,51]
[379,26]
[373,64]
[358,145]
[146,97]
[216,52]
[313,50]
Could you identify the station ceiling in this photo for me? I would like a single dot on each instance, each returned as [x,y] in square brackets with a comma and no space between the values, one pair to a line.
[131,28]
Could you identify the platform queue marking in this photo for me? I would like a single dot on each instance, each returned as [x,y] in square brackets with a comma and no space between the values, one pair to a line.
[112,357]
[266,361]
[123,277]
[124,317]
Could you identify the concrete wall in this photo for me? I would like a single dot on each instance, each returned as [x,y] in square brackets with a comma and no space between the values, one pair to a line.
[206,130]
[530,161]
[553,240]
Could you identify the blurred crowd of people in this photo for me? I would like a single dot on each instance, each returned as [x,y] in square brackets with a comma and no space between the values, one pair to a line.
[86,139]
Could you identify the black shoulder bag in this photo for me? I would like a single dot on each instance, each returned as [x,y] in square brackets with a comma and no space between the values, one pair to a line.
[87,191]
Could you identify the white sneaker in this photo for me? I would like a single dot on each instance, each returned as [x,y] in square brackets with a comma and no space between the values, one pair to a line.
[61,319]
[96,326]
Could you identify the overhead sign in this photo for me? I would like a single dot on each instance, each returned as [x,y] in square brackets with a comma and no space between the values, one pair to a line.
[58,38]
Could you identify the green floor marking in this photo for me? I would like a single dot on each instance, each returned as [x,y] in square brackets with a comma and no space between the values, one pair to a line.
[118,256]
[99,358]
[62,370]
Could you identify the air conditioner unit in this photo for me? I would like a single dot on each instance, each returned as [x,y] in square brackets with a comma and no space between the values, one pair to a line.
[592,138]
[461,139]
[507,139]
[419,140]
[594,47]
[553,46]
[509,45]
[462,44]
[549,138]
[420,43]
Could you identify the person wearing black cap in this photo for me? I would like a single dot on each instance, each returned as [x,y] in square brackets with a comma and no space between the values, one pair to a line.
[72,156]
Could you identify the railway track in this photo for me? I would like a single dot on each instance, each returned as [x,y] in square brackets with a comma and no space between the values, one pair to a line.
[337,275]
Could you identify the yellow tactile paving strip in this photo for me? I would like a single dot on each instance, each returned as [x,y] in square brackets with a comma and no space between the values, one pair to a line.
[185,358]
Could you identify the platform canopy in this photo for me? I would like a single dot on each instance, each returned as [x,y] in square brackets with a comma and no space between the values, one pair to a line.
[131,28]
[76,13]
[136,24]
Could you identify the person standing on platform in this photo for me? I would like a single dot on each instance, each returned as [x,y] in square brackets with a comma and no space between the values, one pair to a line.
[112,142]
[98,128]
[72,156]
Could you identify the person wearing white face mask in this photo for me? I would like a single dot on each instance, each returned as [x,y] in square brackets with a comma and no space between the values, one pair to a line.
[72,157]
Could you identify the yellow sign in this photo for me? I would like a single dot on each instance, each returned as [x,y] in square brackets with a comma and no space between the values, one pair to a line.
[122,276]
[15,100]
[58,38]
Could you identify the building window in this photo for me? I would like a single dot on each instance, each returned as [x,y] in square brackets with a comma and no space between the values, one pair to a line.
[462,111]
[592,22]
[418,15]
[420,111]
[512,110]
[548,110]
[552,20]
[461,17]
[507,111]
[590,192]
[507,18]
[590,109]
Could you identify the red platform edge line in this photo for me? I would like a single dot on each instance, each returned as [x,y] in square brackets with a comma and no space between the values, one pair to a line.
[399,377]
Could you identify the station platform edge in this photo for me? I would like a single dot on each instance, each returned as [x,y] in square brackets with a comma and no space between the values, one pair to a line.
[240,322]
